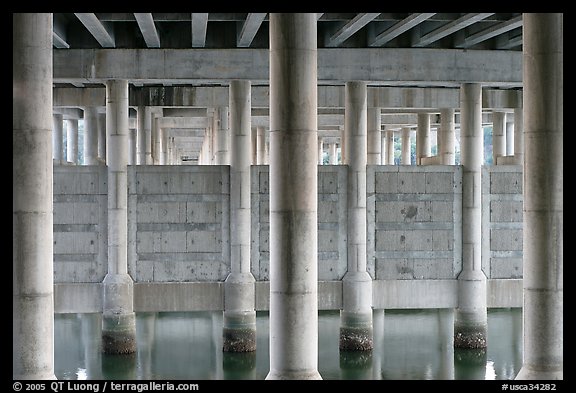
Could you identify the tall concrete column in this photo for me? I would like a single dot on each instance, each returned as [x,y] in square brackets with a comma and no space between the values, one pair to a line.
[423,137]
[90,135]
[384,146]
[293,197]
[254,143]
[72,141]
[156,138]
[118,319]
[141,135]
[320,151]
[260,145]
[543,197]
[58,138]
[102,137]
[132,146]
[509,136]
[498,135]
[342,145]
[470,319]
[406,141]
[32,232]
[163,146]
[356,332]
[518,136]
[148,134]
[220,127]
[374,137]
[239,290]
[390,147]
[447,148]
[332,154]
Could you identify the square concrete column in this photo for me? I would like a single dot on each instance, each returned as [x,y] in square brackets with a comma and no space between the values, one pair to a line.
[90,135]
[498,135]
[406,142]
[447,138]
[102,137]
[239,292]
[374,137]
[72,141]
[356,332]
[423,137]
[390,147]
[293,197]
[57,138]
[32,231]
[118,320]
[471,316]
[543,197]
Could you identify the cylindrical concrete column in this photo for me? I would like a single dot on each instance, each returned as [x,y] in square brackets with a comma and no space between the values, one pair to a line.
[390,147]
[58,138]
[156,138]
[90,135]
[239,290]
[332,154]
[222,154]
[320,151]
[384,146]
[141,135]
[471,317]
[498,135]
[518,136]
[342,145]
[260,145]
[32,232]
[293,197]
[509,135]
[163,134]
[148,134]
[356,331]
[543,197]
[254,143]
[132,146]
[102,137]
[72,141]
[447,148]
[406,141]
[374,137]
[118,319]
[423,137]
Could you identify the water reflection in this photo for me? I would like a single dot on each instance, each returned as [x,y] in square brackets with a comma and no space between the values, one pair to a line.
[408,344]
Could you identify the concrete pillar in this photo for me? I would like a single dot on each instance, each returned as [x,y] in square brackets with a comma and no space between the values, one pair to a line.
[423,137]
[239,290]
[220,127]
[163,145]
[518,136]
[141,135]
[498,135]
[342,145]
[384,147]
[332,154]
[447,148]
[543,197]
[470,319]
[254,146]
[90,135]
[32,232]
[356,332]
[260,145]
[148,134]
[293,197]
[390,147]
[132,137]
[57,138]
[374,137]
[320,151]
[72,141]
[102,137]
[156,141]
[406,153]
[118,320]
[509,136]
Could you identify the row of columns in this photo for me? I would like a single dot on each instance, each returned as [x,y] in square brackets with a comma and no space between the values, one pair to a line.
[293,207]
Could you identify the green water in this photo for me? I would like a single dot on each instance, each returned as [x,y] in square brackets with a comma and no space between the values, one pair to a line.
[408,345]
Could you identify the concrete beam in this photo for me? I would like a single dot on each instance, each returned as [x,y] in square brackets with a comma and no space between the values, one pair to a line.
[104,34]
[249,29]
[400,66]
[199,27]
[399,28]
[350,28]
[490,32]
[148,29]
[450,28]
[183,122]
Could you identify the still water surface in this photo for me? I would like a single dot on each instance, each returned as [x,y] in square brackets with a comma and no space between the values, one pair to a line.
[409,344]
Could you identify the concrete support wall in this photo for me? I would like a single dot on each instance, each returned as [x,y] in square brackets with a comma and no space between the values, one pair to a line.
[239,292]
[471,315]
[356,331]
[32,267]
[293,197]
[543,197]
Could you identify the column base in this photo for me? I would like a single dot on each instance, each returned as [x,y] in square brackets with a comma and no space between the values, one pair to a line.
[293,375]
[356,331]
[238,365]
[239,332]
[528,373]
[469,335]
[119,333]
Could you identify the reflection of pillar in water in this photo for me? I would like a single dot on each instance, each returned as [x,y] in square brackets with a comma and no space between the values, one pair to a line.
[239,365]
[446,331]
[145,333]
[116,366]
[378,329]
[470,363]
[216,343]
[356,364]
[91,338]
